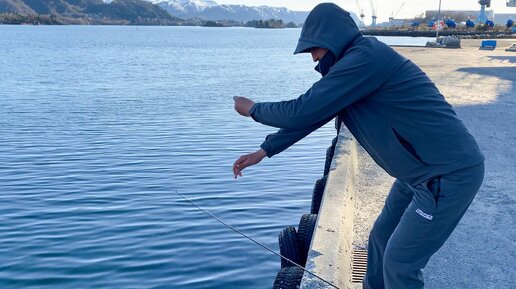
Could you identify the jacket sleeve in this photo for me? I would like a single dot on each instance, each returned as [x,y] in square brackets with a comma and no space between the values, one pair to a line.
[351,79]
[277,142]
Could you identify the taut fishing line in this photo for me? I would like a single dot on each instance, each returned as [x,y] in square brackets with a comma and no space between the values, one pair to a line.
[253,240]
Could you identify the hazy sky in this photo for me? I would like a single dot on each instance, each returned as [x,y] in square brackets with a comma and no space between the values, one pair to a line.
[385,7]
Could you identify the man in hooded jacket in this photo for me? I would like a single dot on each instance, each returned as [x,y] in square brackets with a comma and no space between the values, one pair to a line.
[401,119]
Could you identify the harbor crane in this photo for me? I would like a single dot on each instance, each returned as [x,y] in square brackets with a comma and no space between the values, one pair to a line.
[373,14]
[482,18]
[361,11]
[395,12]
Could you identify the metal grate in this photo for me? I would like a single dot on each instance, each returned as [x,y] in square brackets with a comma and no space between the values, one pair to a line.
[358,265]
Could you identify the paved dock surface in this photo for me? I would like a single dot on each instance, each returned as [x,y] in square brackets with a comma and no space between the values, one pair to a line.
[481,85]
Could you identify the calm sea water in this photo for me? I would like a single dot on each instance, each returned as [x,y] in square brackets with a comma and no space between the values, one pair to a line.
[100,125]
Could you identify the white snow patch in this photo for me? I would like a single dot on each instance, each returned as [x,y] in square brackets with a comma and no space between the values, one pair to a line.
[198,5]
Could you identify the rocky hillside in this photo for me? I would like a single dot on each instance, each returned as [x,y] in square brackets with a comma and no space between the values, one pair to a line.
[91,11]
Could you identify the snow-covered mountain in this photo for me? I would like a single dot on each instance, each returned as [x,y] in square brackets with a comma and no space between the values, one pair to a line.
[210,10]
[186,5]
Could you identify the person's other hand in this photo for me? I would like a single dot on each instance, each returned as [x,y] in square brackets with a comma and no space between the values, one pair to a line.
[243,105]
[247,160]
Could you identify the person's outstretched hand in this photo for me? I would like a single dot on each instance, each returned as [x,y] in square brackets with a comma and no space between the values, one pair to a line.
[247,160]
[243,105]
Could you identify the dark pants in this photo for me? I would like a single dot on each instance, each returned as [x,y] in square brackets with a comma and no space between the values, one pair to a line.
[414,223]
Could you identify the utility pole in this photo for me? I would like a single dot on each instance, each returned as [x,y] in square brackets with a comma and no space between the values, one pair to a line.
[438,24]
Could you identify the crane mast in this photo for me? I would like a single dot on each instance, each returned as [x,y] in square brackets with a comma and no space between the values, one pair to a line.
[373,14]
[361,11]
[395,13]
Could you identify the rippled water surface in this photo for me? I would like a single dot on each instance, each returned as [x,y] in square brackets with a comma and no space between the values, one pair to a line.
[100,125]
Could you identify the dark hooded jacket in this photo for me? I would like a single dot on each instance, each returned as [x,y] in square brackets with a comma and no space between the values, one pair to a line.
[391,107]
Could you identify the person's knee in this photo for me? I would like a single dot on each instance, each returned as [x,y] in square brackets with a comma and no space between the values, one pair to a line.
[383,227]
[398,271]
[389,258]
[397,259]
[377,232]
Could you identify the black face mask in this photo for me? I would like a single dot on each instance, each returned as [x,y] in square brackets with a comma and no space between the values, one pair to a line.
[325,63]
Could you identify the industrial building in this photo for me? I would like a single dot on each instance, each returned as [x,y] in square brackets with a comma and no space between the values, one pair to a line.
[501,18]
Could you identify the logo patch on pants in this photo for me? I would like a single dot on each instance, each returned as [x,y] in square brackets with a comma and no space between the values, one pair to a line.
[424,215]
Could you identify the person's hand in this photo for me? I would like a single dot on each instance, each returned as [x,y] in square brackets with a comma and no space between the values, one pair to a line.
[243,105]
[247,160]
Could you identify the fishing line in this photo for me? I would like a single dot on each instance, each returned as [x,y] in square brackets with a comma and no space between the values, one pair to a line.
[253,240]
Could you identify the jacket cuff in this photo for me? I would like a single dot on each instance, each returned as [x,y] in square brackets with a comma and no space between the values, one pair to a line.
[253,110]
[267,148]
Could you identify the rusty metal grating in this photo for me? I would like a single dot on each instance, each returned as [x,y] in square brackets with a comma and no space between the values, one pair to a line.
[358,265]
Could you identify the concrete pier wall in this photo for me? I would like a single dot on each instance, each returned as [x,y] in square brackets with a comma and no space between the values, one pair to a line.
[353,197]
[331,244]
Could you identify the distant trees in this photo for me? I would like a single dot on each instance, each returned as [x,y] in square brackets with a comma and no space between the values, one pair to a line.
[292,25]
[14,18]
[271,23]
[213,24]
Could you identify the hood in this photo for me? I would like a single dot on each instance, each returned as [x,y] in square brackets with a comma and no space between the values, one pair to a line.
[328,26]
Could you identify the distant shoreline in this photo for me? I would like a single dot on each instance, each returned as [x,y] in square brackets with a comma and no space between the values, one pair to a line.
[372,32]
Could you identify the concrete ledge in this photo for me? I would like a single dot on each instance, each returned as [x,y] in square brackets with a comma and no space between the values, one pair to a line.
[353,198]
[331,246]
